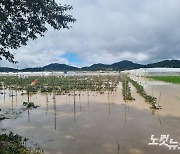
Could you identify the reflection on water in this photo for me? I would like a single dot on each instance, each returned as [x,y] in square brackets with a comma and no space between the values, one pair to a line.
[88,122]
[54,104]
[28,115]
[47,102]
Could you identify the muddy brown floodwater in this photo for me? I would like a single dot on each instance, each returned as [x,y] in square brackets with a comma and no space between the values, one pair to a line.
[98,123]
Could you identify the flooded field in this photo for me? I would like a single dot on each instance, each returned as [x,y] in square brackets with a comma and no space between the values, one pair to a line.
[95,123]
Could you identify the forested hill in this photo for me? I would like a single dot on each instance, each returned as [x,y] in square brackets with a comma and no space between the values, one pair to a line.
[122,65]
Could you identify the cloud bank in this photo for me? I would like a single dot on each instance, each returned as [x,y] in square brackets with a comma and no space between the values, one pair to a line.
[107,31]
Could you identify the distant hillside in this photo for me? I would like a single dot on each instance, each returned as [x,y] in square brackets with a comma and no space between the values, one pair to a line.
[35,69]
[62,67]
[95,67]
[116,66]
[125,65]
[7,69]
[51,67]
[165,63]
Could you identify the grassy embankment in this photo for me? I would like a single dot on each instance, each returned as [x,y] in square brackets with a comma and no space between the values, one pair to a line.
[170,79]
[148,98]
[126,90]
[15,144]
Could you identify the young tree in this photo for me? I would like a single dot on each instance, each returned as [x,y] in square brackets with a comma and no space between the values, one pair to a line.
[21,20]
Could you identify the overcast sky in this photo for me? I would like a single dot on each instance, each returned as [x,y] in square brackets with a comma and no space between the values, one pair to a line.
[108,31]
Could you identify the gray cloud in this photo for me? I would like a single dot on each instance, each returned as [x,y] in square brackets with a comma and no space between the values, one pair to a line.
[109,31]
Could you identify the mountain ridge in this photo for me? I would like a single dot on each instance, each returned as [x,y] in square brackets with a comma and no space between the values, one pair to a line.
[118,66]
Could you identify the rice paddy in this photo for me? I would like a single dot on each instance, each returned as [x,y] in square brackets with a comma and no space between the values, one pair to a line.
[170,79]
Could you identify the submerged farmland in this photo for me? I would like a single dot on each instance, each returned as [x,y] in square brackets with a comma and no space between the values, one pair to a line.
[88,114]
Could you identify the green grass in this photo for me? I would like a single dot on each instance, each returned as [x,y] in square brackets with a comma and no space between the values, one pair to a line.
[170,79]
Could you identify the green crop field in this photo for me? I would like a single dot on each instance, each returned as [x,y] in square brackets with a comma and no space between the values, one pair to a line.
[171,79]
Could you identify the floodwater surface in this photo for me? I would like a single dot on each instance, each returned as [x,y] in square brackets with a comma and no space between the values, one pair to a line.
[94,123]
